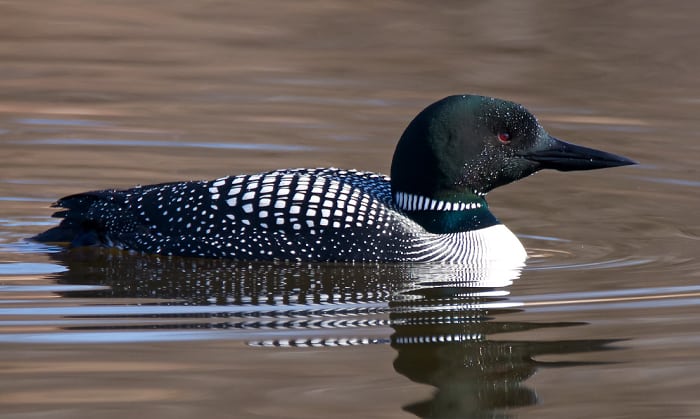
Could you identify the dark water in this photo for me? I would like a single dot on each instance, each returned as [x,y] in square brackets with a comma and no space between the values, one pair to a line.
[602,322]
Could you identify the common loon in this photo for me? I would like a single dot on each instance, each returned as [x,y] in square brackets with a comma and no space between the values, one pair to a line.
[433,208]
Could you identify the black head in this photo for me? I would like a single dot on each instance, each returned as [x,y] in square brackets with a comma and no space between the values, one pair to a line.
[472,144]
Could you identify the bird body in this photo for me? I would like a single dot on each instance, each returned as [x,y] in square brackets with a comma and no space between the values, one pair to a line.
[433,207]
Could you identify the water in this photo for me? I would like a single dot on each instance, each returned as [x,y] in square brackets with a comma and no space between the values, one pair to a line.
[602,322]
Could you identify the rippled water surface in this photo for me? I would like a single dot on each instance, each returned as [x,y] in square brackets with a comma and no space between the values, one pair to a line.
[601,322]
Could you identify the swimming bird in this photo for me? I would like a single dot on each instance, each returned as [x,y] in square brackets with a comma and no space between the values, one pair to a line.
[432,208]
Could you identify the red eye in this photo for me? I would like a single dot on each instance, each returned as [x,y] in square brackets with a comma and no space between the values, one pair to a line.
[504,137]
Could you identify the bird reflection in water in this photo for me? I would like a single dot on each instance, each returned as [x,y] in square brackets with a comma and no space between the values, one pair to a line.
[446,336]
[445,318]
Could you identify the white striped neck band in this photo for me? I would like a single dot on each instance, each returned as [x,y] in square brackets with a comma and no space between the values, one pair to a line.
[411,202]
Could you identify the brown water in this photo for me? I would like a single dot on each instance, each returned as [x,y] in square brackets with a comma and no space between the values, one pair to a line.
[602,322]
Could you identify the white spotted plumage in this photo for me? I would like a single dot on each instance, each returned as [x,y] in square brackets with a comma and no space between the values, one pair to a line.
[296,214]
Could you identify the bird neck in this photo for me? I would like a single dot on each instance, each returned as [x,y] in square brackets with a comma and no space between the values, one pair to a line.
[446,213]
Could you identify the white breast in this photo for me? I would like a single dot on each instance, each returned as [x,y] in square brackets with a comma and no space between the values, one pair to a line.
[491,244]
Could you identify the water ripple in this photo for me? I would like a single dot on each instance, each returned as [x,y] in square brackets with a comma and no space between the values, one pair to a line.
[614,299]
[167,144]
[62,122]
[30,268]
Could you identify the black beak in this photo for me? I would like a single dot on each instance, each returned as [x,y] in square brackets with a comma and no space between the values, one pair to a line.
[560,155]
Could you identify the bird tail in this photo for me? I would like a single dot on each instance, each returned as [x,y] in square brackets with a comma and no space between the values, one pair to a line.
[77,227]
